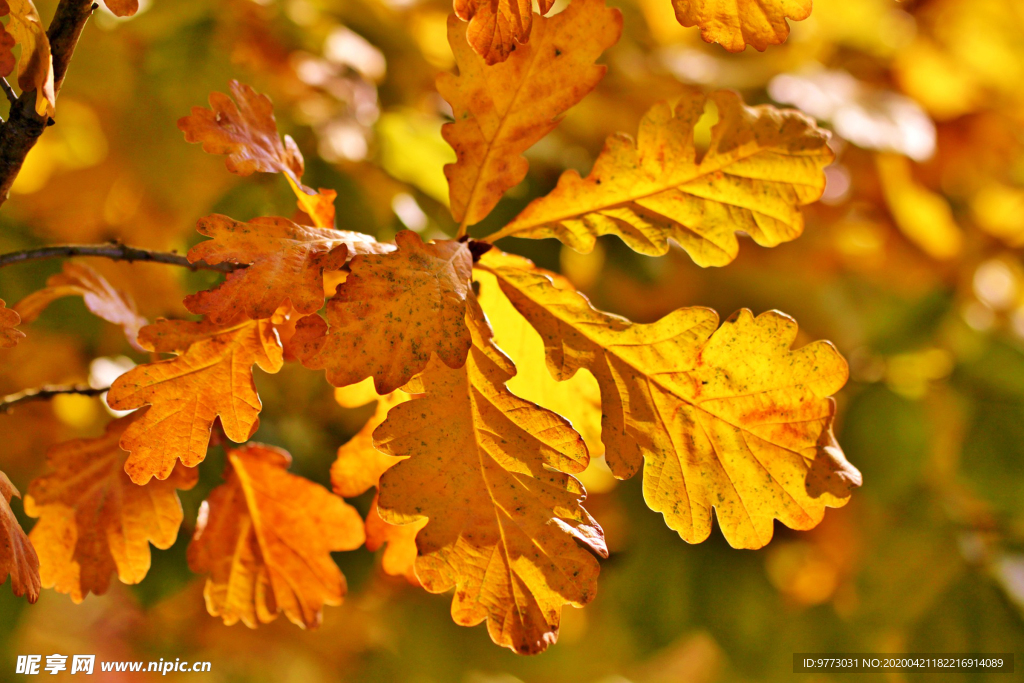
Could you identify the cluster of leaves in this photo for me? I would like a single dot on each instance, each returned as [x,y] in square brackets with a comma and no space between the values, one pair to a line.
[475,484]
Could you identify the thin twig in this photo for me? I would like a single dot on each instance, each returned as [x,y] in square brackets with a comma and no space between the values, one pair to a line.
[9,91]
[45,393]
[117,252]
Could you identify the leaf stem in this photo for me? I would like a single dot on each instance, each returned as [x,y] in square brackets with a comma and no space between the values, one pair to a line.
[45,393]
[463,229]
[116,252]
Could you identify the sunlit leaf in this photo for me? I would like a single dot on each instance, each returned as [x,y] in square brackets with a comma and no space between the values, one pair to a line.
[498,27]
[265,539]
[18,558]
[738,23]
[211,377]
[763,164]
[506,527]
[35,67]
[93,521]
[922,215]
[391,313]
[502,110]
[730,418]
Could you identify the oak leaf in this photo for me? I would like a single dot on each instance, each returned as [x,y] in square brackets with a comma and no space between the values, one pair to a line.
[502,110]
[497,27]
[730,418]
[761,166]
[7,42]
[285,262]
[247,133]
[505,527]
[122,8]
[9,320]
[398,541]
[93,521]
[35,68]
[265,538]
[102,298]
[359,465]
[17,556]
[737,23]
[392,312]
[211,377]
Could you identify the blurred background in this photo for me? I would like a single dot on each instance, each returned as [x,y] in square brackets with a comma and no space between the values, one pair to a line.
[911,264]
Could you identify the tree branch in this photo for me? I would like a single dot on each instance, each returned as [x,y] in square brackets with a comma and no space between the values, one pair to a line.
[45,393]
[116,252]
[24,126]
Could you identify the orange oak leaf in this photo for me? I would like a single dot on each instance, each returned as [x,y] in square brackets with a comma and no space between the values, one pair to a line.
[78,279]
[9,320]
[505,527]
[398,541]
[247,133]
[122,8]
[502,110]
[738,23]
[497,27]
[93,521]
[391,313]
[17,556]
[35,68]
[7,42]
[265,539]
[731,418]
[761,166]
[211,377]
[285,262]
[359,465]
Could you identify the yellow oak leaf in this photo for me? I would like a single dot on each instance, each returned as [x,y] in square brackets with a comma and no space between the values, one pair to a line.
[925,217]
[102,298]
[35,68]
[9,320]
[285,262]
[737,23]
[730,418]
[502,110]
[392,312]
[577,399]
[265,538]
[122,8]
[761,166]
[17,556]
[497,27]
[93,521]
[488,470]
[211,377]
[399,558]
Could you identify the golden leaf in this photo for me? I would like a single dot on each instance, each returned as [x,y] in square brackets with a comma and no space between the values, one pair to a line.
[738,23]
[399,558]
[502,110]
[506,527]
[78,279]
[35,68]
[391,313]
[9,320]
[497,27]
[922,215]
[359,465]
[762,165]
[285,262]
[122,8]
[731,418]
[17,556]
[93,521]
[265,538]
[211,377]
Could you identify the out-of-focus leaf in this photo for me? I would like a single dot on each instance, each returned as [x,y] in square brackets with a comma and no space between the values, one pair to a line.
[359,465]
[102,298]
[122,8]
[505,525]
[502,110]
[9,320]
[413,151]
[18,558]
[737,23]
[265,538]
[285,262]
[211,377]
[922,215]
[35,67]
[391,313]
[93,521]
[762,166]
[731,418]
